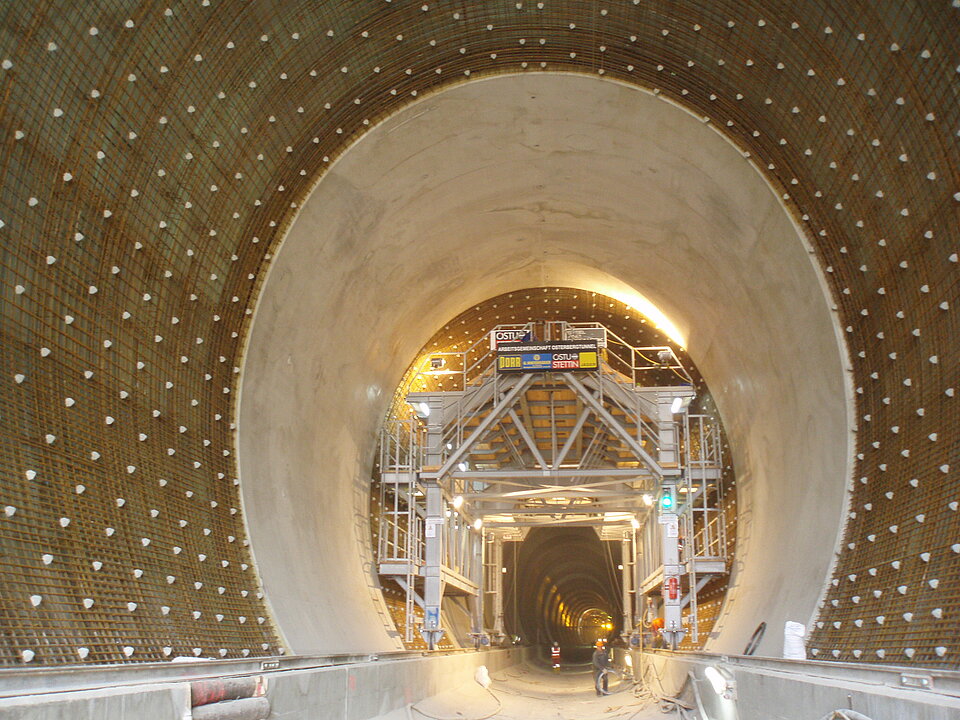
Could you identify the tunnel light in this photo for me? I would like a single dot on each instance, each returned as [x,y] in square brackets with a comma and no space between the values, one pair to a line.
[477,524]
[619,567]
[676,405]
[503,570]
[463,467]
[635,522]
[647,500]
[722,684]
[458,502]
[422,409]
[635,301]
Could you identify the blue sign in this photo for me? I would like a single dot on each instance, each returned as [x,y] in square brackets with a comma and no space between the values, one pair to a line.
[563,356]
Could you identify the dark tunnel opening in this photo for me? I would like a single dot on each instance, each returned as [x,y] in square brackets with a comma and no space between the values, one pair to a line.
[563,586]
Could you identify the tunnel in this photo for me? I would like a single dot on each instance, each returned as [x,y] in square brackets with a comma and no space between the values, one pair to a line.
[484,220]
[232,234]
[566,588]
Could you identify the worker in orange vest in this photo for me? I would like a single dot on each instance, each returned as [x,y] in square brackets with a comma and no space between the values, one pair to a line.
[657,626]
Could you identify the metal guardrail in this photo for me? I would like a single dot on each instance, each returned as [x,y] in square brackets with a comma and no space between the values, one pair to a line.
[906,677]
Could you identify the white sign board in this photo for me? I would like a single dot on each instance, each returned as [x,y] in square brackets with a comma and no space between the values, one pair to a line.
[593,333]
[505,336]
[430,529]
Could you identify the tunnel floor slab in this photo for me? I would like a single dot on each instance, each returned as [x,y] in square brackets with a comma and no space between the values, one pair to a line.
[527,692]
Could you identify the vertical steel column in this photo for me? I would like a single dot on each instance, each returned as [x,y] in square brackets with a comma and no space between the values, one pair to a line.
[669,522]
[433,562]
[497,586]
[435,422]
[477,575]
[670,531]
[625,560]
[638,576]
[669,441]
[434,522]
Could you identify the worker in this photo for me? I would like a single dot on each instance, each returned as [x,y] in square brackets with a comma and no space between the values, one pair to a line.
[657,626]
[601,664]
[555,656]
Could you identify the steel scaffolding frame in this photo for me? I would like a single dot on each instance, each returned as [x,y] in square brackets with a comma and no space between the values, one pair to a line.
[470,466]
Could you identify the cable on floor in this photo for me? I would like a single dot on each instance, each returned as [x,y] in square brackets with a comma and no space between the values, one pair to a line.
[666,703]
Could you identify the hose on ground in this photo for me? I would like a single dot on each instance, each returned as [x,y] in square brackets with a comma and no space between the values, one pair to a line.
[601,677]
[666,703]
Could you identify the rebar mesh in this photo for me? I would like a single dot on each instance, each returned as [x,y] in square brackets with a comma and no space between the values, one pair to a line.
[153,155]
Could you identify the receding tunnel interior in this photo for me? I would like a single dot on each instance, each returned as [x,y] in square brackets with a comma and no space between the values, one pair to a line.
[565,588]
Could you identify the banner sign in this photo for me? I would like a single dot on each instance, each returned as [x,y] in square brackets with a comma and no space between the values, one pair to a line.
[586,333]
[498,337]
[565,356]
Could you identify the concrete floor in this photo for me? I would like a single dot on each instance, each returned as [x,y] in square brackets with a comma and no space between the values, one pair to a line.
[526,692]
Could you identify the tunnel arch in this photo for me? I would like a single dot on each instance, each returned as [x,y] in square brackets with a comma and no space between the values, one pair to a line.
[614,190]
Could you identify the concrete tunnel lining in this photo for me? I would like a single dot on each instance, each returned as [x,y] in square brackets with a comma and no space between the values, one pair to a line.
[512,182]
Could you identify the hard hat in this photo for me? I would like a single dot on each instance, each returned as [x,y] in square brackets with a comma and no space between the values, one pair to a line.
[657,623]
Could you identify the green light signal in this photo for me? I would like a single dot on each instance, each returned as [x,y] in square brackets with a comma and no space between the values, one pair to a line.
[666,500]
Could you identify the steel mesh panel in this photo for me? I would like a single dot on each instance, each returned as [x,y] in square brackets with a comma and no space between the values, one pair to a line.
[833,118]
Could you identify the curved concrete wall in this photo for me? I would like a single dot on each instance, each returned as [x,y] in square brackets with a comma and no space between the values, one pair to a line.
[514,182]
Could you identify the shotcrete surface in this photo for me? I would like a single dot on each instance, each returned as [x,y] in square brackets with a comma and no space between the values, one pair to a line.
[523,181]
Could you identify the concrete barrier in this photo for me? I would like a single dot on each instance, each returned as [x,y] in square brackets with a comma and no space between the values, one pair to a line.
[347,691]
[751,688]
[368,690]
[143,702]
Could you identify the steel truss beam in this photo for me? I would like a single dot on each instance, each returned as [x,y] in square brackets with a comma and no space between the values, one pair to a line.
[503,405]
[612,422]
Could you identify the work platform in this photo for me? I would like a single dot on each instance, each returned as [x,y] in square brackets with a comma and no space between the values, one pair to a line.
[549,424]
